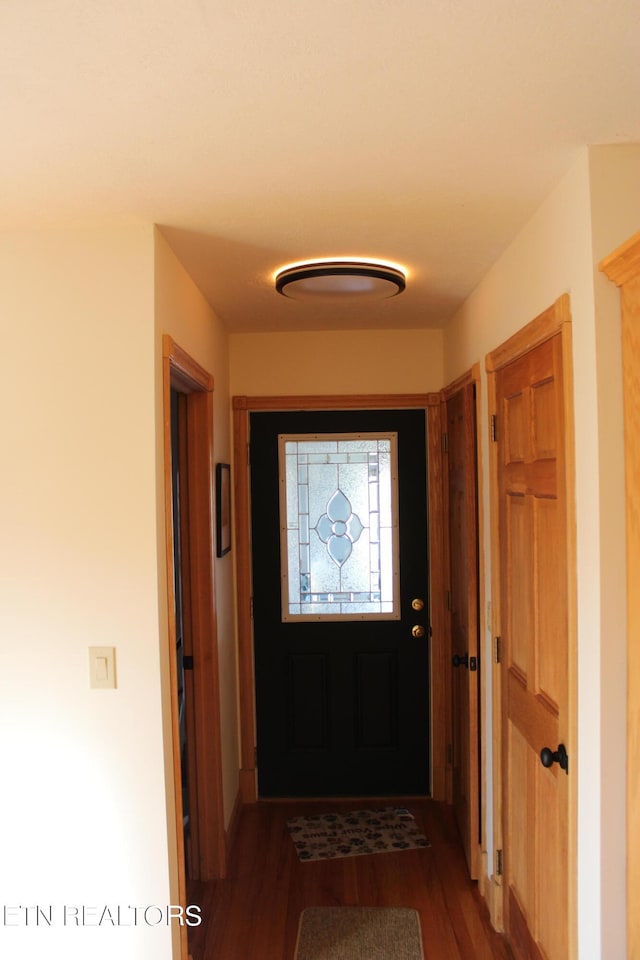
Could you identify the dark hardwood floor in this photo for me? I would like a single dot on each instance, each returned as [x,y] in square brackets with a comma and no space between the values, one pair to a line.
[253,914]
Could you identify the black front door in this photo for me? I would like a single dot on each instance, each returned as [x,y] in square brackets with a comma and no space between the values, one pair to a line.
[342,704]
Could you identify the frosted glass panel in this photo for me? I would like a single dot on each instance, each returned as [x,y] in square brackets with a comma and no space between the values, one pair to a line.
[339,527]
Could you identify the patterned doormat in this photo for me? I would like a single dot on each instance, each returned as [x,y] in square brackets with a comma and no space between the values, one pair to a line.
[359,933]
[331,835]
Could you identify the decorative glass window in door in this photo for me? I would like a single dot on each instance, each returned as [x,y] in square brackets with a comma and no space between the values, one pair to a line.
[339,527]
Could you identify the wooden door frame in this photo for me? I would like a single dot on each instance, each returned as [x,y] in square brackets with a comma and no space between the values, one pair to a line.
[623,268]
[471,376]
[556,319]
[189,378]
[242,408]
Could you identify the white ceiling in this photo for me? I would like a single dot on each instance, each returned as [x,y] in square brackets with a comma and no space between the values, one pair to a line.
[425,132]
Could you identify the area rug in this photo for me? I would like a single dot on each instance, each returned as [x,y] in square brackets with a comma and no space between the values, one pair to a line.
[359,933]
[330,835]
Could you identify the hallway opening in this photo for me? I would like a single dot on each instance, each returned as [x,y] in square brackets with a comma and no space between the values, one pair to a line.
[255,910]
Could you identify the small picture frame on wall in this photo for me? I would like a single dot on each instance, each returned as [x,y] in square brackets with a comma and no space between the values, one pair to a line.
[223,509]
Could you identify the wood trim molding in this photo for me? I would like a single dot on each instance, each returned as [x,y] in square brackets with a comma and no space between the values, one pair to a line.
[234,822]
[185,371]
[496,889]
[242,407]
[206,677]
[344,402]
[440,639]
[460,382]
[522,940]
[544,326]
[180,371]
[623,268]
[173,671]
[475,376]
[563,307]
[624,263]
[472,376]
[495,900]
[246,683]
[192,845]
[440,589]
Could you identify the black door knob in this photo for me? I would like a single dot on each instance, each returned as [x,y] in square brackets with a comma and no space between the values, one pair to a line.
[461,661]
[548,757]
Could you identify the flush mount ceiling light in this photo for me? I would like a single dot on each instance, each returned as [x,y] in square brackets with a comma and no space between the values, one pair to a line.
[340,280]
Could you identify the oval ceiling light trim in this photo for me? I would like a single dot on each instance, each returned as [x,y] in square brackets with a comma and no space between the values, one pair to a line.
[328,280]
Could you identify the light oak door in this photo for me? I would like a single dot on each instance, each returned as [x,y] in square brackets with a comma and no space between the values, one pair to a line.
[463,591]
[534,563]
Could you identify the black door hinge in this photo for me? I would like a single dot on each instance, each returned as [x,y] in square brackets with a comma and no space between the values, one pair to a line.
[498,863]
[187,662]
[445,443]
[494,427]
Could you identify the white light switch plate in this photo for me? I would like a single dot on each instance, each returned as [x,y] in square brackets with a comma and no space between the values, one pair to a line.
[102,668]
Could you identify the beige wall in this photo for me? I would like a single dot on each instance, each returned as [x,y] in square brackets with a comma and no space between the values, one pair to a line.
[86,822]
[594,208]
[552,256]
[182,312]
[337,362]
[82,310]
[82,809]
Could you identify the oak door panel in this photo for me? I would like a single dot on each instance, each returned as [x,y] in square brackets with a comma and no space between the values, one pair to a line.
[463,580]
[534,618]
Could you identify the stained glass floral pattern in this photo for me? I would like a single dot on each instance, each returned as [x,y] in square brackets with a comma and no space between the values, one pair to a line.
[339,528]
[339,531]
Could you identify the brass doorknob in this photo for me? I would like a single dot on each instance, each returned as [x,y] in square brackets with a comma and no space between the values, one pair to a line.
[417,630]
[417,604]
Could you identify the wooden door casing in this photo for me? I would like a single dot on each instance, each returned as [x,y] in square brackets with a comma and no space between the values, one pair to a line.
[461,472]
[184,631]
[242,407]
[623,268]
[190,379]
[533,482]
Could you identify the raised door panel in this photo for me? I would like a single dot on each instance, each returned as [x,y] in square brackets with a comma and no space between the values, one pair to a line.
[518,582]
[309,702]
[550,604]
